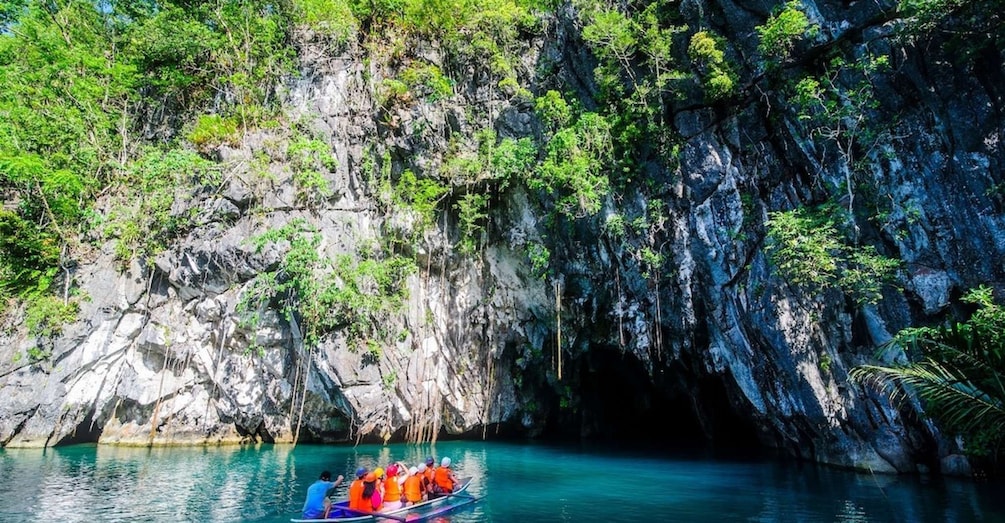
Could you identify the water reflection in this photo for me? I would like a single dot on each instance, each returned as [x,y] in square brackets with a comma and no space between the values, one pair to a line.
[516,482]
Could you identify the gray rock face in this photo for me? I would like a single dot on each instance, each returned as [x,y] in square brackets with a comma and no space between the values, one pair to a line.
[162,355]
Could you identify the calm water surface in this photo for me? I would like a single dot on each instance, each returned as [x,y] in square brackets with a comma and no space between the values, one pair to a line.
[520,483]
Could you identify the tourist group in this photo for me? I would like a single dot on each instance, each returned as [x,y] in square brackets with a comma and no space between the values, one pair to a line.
[381,490]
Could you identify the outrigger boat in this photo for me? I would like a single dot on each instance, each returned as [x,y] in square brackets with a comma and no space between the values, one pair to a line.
[341,513]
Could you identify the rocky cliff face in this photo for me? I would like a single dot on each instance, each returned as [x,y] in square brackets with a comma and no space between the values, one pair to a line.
[711,337]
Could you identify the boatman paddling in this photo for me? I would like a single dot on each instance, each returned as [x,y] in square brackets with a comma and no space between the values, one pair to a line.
[318,500]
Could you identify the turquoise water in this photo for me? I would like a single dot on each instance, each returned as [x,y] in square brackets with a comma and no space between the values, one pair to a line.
[520,483]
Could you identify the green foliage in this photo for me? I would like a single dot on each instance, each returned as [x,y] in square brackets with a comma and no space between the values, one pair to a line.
[212,130]
[496,162]
[958,371]
[540,258]
[420,80]
[10,12]
[807,250]
[637,45]
[650,261]
[471,213]
[825,362]
[333,18]
[486,32]
[153,203]
[636,50]
[348,293]
[614,226]
[29,256]
[718,77]
[389,380]
[362,293]
[311,159]
[192,52]
[553,110]
[783,29]
[574,166]
[394,92]
[612,36]
[512,159]
[419,197]
[63,97]
[512,88]
[837,107]
[836,111]
[46,315]
[171,50]
[656,43]
[428,81]
[968,26]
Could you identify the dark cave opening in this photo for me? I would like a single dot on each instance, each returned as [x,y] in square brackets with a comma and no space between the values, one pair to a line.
[87,431]
[619,402]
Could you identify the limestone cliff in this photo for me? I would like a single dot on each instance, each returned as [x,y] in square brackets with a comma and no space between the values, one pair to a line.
[710,338]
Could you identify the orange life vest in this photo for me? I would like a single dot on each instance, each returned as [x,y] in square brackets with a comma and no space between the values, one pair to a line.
[413,488]
[429,475]
[356,495]
[443,479]
[392,489]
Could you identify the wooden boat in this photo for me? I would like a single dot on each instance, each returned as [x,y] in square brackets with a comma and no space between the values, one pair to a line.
[340,512]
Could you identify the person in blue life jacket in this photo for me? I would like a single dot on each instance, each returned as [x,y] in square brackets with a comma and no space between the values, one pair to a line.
[318,496]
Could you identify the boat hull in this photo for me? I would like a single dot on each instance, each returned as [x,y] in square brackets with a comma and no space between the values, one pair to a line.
[416,512]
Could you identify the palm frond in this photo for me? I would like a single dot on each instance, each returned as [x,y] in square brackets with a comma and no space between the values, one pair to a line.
[950,396]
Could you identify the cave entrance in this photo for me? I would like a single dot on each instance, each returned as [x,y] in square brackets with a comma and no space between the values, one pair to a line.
[87,431]
[675,411]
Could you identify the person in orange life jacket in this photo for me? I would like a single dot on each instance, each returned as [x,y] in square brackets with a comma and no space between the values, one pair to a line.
[429,474]
[372,499]
[392,487]
[318,496]
[444,478]
[414,490]
[426,483]
[356,490]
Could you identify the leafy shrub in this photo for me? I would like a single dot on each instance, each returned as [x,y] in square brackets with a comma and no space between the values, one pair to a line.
[419,196]
[310,159]
[29,256]
[330,17]
[143,215]
[718,77]
[213,130]
[553,110]
[46,316]
[573,167]
[783,29]
[171,50]
[351,293]
[471,212]
[540,258]
[807,249]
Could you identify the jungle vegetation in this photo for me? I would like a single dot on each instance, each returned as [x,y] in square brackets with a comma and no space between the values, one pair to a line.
[110,111]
